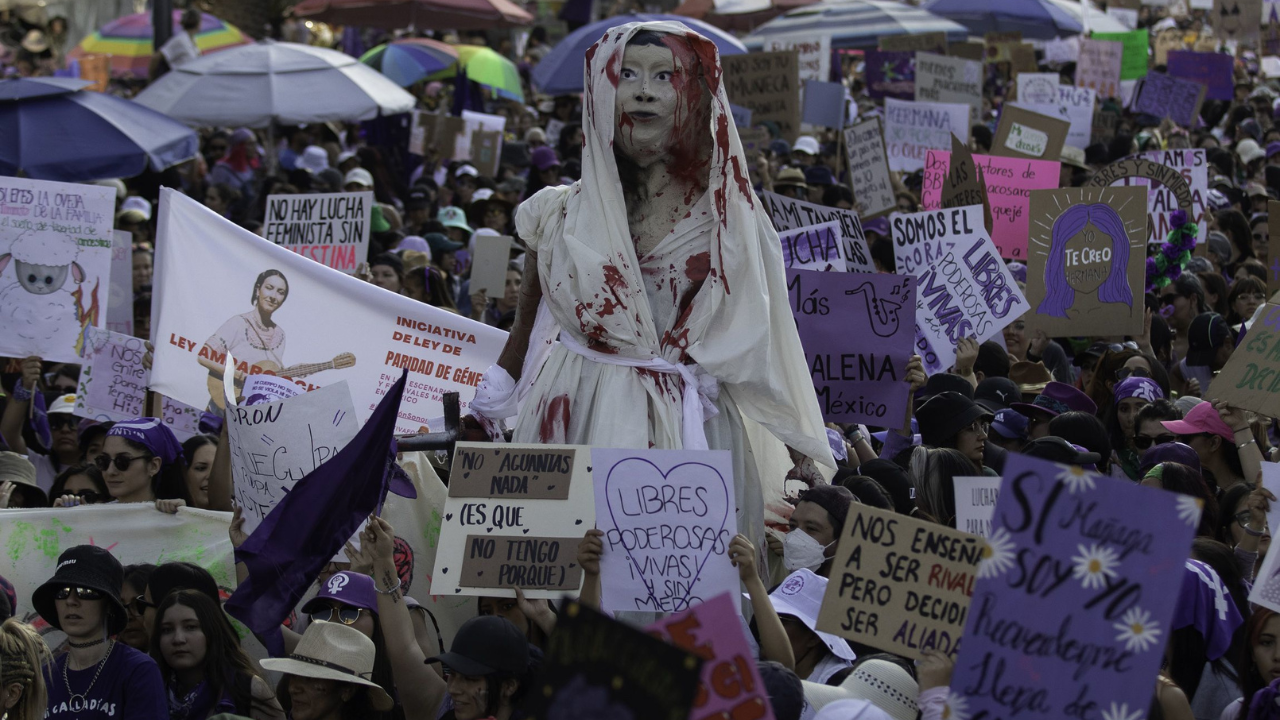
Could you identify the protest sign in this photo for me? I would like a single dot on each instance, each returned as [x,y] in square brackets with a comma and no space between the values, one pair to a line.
[949,80]
[180,417]
[1125,16]
[1104,126]
[1163,96]
[113,383]
[731,685]
[1022,58]
[418,132]
[964,185]
[967,50]
[1107,609]
[268,388]
[1086,264]
[857,330]
[1074,105]
[900,584]
[120,293]
[1271,63]
[1184,179]
[999,42]
[1134,54]
[817,247]
[472,123]
[1023,133]
[1266,589]
[486,145]
[330,228]
[490,263]
[824,104]
[1167,39]
[934,42]
[920,239]
[1211,69]
[1273,246]
[891,73]
[768,84]
[754,141]
[66,230]
[602,668]
[911,129]
[513,518]
[1251,378]
[1237,20]
[1009,182]
[1037,88]
[1099,66]
[338,327]
[869,168]
[789,214]
[813,55]
[741,116]
[976,503]
[668,517]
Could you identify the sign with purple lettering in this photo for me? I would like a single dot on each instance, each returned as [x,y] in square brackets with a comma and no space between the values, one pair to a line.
[1075,596]
[1211,69]
[891,73]
[857,332]
[1169,97]
[113,381]
[816,247]
[791,214]
[667,518]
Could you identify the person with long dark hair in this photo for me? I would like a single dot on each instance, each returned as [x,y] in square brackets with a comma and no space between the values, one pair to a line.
[141,461]
[199,451]
[1131,395]
[79,485]
[253,338]
[132,595]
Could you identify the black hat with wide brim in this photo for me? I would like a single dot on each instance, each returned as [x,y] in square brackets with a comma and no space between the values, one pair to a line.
[86,566]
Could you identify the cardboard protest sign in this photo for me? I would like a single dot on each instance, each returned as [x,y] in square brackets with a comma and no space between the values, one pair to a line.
[967,50]
[1104,126]
[1039,88]
[964,184]
[55,265]
[1169,97]
[604,669]
[920,239]
[330,228]
[869,168]
[181,418]
[513,518]
[824,104]
[1211,69]
[668,517]
[768,84]
[1023,133]
[325,326]
[436,133]
[949,80]
[934,42]
[1074,105]
[1086,264]
[1167,39]
[1009,182]
[813,55]
[900,584]
[1134,62]
[1250,379]
[817,247]
[789,214]
[911,129]
[1273,246]
[489,265]
[1237,20]
[1183,180]
[1052,572]
[891,73]
[999,42]
[474,122]
[120,292]
[486,146]
[1022,58]
[1266,589]
[1099,66]
[754,141]
[113,383]
[976,503]
[731,686]
[857,331]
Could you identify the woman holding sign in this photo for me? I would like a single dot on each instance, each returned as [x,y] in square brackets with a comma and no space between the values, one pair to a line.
[663,281]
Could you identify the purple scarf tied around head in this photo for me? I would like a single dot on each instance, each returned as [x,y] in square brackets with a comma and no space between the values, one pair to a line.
[1265,704]
[152,434]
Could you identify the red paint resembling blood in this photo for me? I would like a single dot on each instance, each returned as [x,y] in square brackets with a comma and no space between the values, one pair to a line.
[697,266]
[555,423]
[614,279]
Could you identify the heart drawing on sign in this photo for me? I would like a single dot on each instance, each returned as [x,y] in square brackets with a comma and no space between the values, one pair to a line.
[685,508]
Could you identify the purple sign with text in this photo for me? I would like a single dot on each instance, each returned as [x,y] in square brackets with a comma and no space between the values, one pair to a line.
[857,330]
[891,73]
[1211,69]
[1075,596]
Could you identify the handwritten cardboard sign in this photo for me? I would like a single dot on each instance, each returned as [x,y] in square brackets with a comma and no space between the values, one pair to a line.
[1086,264]
[1134,54]
[1266,589]
[999,42]
[949,80]
[1187,172]
[1009,182]
[912,129]
[1166,40]
[813,54]
[1251,378]
[731,685]
[513,518]
[900,584]
[789,214]
[857,330]
[1237,20]
[817,247]
[113,382]
[1074,105]
[1169,97]
[1082,562]
[964,184]
[1212,69]
[601,668]
[869,168]
[668,517]
[486,147]
[120,293]
[181,418]
[330,228]
[824,104]
[768,84]
[1023,133]
[934,42]
[891,73]
[1273,246]
[1099,66]
[967,50]
[976,503]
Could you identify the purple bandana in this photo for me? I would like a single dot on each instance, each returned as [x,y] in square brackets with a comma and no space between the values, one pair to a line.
[1205,604]
[152,434]
[1139,387]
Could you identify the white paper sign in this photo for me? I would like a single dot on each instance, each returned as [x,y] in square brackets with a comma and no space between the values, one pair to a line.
[1074,104]
[330,228]
[417,133]
[869,167]
[1125,16]
[1161,203]
[55,265]
[976,503]
[817,247]
[489,266]
[120,297]
[911,129]
[814,55]
[182,419]
[268,388]
[113,383]
[945,79]
[668,517]
[790,214]
[472,122]
[1040,88]
[1027,140]
[1266,587]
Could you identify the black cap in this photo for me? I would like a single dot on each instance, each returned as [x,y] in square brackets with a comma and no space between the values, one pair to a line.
[1056,449]
[1207,333]
[894,480]
[945,415]
[182,576]
[946,382]
[1095,351]
[86,566]
[835,499]
[417,200]
[997,393]
[485,645]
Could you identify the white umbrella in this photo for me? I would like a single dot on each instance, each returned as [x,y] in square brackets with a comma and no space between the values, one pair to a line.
[1099,21]
[288,83]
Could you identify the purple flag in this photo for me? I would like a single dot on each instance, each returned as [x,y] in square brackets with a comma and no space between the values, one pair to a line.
[311,524]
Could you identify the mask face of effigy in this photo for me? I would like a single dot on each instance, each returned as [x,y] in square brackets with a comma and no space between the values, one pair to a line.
[646,102]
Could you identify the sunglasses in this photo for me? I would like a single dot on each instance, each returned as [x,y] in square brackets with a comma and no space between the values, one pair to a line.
[89,496]
[1143,442]
[1171,298]
[62,420]
[345,615]
[139,606]
[1125,372]
[83,593]
[122,462]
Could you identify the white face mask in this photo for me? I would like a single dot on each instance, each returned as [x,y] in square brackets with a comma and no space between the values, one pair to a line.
[800,550]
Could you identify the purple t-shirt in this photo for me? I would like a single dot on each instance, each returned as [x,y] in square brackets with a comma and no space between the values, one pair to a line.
[128,688]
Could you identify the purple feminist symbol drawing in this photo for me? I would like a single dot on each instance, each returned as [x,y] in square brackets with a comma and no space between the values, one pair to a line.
[1089,252]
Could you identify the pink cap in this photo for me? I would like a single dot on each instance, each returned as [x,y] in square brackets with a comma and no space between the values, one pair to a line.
[1202,418]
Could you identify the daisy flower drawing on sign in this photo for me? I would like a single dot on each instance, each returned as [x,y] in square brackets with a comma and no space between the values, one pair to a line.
[1137,630]
[1189,509]
[1122,712]
[997,555]
[955,708]
[1094,565]
[1077,479]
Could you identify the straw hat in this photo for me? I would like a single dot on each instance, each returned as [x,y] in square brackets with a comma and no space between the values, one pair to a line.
[885,684]
[333,651]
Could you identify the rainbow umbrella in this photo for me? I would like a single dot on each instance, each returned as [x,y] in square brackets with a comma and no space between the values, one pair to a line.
[128,41]
[407,61]
[488,68]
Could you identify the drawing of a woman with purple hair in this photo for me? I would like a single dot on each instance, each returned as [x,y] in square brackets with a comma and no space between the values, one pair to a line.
[1089,252]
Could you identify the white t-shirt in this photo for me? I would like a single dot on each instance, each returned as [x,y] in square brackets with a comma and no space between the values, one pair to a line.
[180,49]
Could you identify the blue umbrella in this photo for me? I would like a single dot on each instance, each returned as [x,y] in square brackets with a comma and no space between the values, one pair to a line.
[560,72]
[50,129]
[854,24]
[1035,19]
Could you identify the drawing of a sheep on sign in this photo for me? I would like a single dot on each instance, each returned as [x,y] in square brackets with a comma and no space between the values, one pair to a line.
[36,303]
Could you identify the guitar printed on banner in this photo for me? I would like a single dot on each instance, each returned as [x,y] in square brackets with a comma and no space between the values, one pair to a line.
[266,367]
